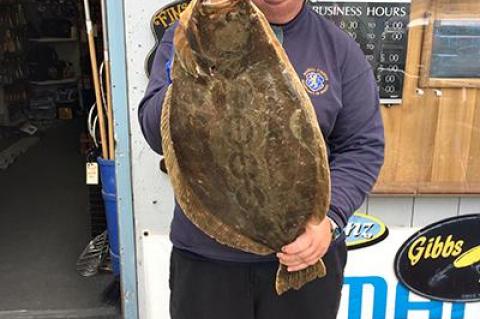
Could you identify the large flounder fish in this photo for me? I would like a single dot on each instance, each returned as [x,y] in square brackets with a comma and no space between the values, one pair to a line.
[241,140]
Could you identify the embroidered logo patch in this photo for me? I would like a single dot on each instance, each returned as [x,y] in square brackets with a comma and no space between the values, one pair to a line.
[315,81]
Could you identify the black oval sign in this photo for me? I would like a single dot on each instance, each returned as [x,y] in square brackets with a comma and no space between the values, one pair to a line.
[161,20]
[442,261]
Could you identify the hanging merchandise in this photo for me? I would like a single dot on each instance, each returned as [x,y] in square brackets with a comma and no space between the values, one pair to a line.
[48,60]
[45,64]
[13,70]
[53,19]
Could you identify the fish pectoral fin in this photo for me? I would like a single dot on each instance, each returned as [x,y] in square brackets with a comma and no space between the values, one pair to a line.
[287,280]
[184,51]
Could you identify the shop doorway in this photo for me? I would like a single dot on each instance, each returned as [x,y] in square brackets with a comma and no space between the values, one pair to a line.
[48,215]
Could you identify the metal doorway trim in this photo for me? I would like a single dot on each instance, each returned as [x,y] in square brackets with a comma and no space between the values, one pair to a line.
[123,168]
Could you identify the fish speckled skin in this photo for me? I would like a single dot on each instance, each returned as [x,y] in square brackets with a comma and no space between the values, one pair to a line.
[242,143]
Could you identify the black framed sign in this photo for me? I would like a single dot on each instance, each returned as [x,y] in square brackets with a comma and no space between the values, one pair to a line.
[450,53]
[161,20]
[442,260]
[456,48]
[381,30]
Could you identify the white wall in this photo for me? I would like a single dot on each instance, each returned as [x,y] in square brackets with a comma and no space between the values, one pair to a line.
[152,195]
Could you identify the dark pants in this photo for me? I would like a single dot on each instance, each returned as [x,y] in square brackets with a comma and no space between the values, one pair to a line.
[206,289]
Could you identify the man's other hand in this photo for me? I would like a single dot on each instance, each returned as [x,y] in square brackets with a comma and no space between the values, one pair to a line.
[309,247]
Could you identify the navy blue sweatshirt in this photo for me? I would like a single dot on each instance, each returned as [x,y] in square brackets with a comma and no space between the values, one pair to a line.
[343,91]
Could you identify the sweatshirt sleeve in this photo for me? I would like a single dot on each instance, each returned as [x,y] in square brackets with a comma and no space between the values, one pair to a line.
[150,108]
[356,142]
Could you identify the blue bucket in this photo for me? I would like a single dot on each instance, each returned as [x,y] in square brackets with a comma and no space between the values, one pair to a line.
[107,175]
[110,201]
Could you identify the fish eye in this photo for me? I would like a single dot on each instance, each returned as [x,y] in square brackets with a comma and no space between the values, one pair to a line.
[213,69]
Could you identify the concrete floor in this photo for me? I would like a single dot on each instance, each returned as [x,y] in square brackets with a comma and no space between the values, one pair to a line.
[44,226]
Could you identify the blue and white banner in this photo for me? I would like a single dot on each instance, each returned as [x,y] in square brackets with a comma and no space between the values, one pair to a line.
[372,291]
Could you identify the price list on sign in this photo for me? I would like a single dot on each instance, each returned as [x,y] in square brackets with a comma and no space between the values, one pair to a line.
[381,30]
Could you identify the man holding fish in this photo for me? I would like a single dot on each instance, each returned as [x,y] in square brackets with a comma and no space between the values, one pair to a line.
[211,279]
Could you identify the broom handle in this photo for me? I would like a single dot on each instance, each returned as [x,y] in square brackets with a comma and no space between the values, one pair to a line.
[111,142]
[98,97]
[108,90]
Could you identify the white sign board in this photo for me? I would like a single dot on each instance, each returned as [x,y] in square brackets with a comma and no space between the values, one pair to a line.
[371,290]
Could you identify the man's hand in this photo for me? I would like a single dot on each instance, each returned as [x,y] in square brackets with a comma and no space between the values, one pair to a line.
[309,247]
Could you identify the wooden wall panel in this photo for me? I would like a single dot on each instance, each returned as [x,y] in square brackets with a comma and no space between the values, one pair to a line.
[392,127]
[433,138]
[460,7]
[473,174]
[453,135]
[403,147]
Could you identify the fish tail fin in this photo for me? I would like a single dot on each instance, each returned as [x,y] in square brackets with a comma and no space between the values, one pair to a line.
[287,280]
